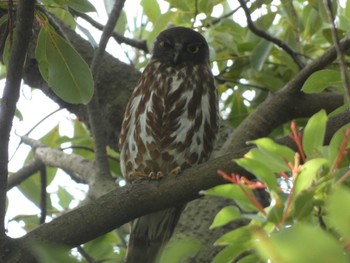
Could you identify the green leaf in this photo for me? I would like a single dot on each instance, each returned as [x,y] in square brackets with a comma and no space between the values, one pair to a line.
[180,250]
[262,171]
[271,154]
[260,54]
[314,133]
[322,79]
[122,23]
[235,193]
[300,243]
[229,253]
[159,25]
[338,212]
[275,151]
[335,143]
[253,258]
[308,174]
[81,5]
[151,9]
[101,248]
[52,253]
[236,236]
[64,198]
[238,109]
[225,216]
[63,68]
[303,205]
[183,5]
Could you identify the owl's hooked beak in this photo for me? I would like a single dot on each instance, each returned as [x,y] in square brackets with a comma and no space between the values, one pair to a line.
[177,51]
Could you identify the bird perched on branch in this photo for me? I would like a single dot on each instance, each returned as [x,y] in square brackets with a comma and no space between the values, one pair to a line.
[170,123]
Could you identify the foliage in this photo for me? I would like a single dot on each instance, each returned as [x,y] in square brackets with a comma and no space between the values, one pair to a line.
[307,219]
[307,188]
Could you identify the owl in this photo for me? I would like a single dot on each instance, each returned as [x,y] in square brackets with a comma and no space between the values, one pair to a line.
[170,124]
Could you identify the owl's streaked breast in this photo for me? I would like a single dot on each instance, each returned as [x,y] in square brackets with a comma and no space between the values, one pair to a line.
[171,119]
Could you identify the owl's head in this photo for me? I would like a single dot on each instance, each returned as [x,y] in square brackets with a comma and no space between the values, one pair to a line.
[179,45]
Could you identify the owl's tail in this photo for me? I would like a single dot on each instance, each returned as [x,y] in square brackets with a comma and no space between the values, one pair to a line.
[150,233]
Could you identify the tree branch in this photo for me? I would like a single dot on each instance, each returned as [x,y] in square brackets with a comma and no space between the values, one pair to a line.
[25,15]
[139,44]
[93,107]
[263,34]
[132,201]
[24,173]
[72,163]
[342,64]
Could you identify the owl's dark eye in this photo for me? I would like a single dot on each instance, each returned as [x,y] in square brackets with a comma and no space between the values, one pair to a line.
[164,44]
[193,49]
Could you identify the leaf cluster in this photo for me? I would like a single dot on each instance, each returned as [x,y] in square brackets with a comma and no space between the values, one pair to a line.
[305,221]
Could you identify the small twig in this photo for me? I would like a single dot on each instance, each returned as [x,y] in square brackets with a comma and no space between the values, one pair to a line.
[139,44]
[43,193]
[223,79]
[263,34]
[89,150]
[86,256]
[93,107]
[22,34]
[342,64]
[33,128]
[217,20]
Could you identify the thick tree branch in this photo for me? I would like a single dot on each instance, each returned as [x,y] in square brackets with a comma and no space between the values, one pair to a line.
[124,204]
[295,56]
[25,16]
[94,108]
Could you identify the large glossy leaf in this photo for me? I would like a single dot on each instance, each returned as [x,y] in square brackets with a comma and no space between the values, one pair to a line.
[308,174]
[338,212]
[234,192]
[81,5]
[226,215]
[229,253]
[260,54]
[239,235]
[63,68]
[261,170]
[314,133]
[180,250]
[322,79]
[301,243]
[151,9]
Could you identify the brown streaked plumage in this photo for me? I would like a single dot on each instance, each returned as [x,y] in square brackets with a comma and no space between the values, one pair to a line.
[171,121]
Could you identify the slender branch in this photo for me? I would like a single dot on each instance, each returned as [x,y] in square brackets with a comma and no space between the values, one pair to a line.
[25,16]
[86,255]
[43,193]
[139,44]
[93,107]
[342,63]
[217,20]
[263,34]
[24,173]
[34,127]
